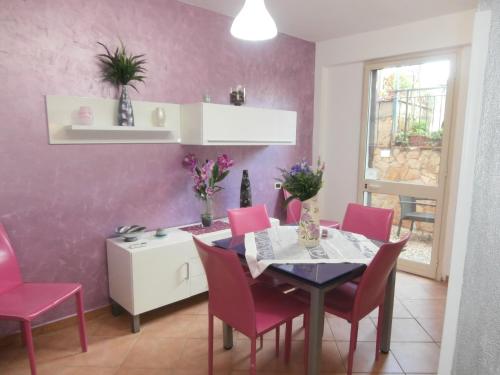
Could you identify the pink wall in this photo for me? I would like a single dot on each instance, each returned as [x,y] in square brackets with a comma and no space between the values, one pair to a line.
[60,202]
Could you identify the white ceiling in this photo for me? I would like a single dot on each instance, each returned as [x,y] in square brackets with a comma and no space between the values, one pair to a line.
[317,20]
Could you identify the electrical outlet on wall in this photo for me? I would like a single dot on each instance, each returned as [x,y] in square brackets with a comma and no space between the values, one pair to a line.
[277,185]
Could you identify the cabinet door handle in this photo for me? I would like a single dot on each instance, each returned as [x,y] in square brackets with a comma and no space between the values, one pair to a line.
[187,271]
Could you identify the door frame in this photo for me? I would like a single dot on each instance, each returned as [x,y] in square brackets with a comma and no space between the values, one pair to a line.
[439,192]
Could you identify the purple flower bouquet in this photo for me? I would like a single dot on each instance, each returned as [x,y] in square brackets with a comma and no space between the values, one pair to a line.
[206,177]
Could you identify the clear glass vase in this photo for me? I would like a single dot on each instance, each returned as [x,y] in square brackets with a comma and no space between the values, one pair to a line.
[207,212]
[309,229]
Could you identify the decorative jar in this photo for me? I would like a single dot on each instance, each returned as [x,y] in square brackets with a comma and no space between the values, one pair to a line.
[309,227]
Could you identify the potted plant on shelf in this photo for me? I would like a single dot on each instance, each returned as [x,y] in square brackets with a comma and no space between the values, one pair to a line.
[418,134]
[401,139]
[122,69]
[304,183]
[206,177]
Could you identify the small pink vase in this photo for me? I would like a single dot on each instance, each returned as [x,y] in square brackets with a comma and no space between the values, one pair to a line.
[85,116]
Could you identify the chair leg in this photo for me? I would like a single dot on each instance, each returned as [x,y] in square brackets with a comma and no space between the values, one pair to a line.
[28,337]
[253,356]
[81,321]
[277,341]
[411,226]
[288,340]
[352,346]
[306,340]
[399,226]
[261,341]
[380,326]
[210,344]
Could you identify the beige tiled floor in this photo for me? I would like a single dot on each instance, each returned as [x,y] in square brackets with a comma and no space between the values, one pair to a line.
[173,341]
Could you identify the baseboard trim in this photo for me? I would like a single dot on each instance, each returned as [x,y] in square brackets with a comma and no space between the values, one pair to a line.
[55,325]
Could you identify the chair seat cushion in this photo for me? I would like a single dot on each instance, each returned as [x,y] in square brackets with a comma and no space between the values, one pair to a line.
[273,307]
[340,300]
[29,300]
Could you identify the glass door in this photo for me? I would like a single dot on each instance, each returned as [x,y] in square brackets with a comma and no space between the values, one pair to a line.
[404,151]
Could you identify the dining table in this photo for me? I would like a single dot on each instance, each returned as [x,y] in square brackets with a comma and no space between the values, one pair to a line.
[317,279]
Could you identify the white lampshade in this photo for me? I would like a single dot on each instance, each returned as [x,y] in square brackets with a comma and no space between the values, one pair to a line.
[254,22]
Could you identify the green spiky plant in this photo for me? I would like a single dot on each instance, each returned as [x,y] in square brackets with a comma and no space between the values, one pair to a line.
[121,68]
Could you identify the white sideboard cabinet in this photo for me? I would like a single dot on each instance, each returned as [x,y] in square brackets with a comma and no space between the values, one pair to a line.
[156,271]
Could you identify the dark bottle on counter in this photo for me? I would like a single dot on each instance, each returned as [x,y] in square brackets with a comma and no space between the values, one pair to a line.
[245,191]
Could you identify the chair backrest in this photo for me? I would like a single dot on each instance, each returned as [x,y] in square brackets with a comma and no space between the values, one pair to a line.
[408,204]
[371,289]
[10,274]
[372,222]
[292,209]
[248,219]
[229,295]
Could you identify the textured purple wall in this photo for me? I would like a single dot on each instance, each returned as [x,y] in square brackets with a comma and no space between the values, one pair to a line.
[60,202]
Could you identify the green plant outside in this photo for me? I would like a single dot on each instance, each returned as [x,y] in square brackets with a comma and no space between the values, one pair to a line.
[419,127]
[401,139]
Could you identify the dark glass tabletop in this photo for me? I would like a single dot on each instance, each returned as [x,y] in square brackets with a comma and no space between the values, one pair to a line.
[321,274]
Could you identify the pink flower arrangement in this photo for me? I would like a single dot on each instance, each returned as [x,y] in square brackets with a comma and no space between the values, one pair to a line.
[207,175]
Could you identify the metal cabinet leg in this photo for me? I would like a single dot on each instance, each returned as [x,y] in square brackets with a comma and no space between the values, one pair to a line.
[227,335]
[116,309]
[388,309]
[135,323]
[316,324]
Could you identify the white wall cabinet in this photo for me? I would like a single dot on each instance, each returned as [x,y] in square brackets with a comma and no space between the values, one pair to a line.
[218,124]
[190,124]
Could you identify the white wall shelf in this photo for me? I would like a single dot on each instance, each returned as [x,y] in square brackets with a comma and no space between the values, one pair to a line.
[116,128]
[218,124]
[64,129]
[190,124]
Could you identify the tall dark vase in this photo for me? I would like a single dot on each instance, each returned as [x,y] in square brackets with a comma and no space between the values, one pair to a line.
[245,191]
[125,112]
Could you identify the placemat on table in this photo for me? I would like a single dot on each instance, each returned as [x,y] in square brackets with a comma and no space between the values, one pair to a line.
[198,229]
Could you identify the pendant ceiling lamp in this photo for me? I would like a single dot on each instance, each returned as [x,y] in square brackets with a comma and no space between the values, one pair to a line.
[254,22]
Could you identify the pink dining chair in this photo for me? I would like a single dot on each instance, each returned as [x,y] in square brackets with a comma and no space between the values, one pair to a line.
[354,301]
[248,219]
[293,213]
[372,222]
[251,309]
[253,219]
[25,301]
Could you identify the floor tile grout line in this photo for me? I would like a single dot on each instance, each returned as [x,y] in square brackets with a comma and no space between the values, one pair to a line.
[397,361]
[340,356]
[432,337]
[130,349]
